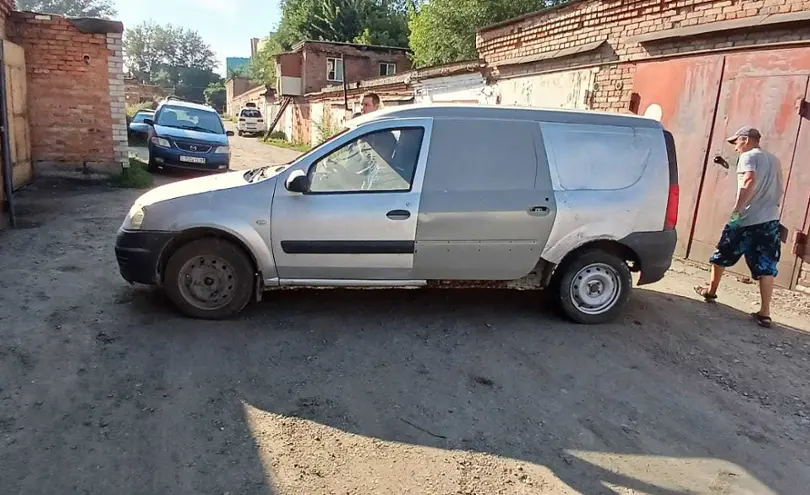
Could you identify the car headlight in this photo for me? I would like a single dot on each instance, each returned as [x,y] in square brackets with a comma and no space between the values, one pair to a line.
[159,141]
[223,150]
[135,217]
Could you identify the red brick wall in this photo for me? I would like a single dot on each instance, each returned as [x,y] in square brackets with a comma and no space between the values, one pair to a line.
[69,102]
[359,64]
[617,20]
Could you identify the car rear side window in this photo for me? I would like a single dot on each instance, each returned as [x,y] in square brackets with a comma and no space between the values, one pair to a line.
[251,114]
[598,157]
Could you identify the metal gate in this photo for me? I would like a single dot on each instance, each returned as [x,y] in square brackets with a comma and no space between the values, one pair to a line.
[765,89]
[16,102]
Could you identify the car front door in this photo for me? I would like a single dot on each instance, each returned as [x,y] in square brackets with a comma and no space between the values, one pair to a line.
[357,221]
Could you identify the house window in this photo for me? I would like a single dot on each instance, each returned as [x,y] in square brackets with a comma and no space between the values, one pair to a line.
[334,69]
[388,69]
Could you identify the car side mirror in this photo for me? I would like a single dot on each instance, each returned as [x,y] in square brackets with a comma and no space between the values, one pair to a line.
[149,122]
[139,127]
[297,182]
[229,133]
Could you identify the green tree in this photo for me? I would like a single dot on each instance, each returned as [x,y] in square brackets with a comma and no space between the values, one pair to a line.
[263,65]
[70,8]
[151,47]
[443,31]
[215,95]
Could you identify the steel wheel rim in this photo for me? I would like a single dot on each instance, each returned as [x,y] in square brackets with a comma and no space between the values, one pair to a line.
[595,288]
[207,282]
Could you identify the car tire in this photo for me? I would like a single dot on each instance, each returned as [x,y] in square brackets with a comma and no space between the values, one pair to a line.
[592,287]
[239,133]
[210,279]
[151,166]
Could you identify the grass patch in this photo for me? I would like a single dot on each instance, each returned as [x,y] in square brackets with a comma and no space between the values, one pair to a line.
[286,144]
[134,177]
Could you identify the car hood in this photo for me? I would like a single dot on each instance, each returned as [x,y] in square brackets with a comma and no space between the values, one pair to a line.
[174,132]
[203,185]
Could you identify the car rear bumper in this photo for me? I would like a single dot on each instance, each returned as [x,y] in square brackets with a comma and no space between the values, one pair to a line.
[655,251]
[138,254]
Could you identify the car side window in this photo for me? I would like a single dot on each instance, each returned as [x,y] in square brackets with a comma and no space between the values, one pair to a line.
[381,161]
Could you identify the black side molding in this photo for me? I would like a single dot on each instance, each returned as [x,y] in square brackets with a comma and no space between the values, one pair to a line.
[348,247]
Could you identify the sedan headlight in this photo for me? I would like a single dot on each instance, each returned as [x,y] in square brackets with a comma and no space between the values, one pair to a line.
[159,141]
[135,217]
[223,150]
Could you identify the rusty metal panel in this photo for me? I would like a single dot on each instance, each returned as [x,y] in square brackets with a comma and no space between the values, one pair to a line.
[17,104]
[796,208]
[567,89]
[789,61]
[767,103]
[682,94]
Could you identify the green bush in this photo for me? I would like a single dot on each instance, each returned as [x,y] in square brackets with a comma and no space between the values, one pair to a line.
[278,135]
[286,144]
[134,177]
[133,109]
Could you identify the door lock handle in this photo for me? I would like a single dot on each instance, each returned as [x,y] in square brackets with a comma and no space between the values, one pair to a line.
[719,160]
[539,210]
[398,214]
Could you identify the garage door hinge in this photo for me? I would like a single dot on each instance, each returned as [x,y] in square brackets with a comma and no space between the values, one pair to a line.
[800,245]
[803,108]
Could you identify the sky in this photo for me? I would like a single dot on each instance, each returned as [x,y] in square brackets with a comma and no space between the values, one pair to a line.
[226,25]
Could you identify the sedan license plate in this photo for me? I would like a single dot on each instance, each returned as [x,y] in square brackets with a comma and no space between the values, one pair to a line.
[192,159]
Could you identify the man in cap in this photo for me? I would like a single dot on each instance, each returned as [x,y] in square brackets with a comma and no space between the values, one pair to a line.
[753,229]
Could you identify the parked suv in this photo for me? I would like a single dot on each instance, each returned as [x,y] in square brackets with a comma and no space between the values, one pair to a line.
[251,121]
[424,196]
[186,135]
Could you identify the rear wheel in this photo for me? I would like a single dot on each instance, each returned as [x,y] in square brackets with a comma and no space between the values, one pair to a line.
[593,287]
[239,133]
[210,279]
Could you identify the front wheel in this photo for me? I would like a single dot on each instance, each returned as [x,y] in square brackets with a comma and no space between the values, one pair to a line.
[593,287]
[210,279]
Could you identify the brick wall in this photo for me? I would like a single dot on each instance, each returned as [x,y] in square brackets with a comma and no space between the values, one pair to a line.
[617,21]
[75,90]
[233,88]
[359,63]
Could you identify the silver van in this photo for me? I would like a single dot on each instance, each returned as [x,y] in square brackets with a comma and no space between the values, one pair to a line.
[424,196]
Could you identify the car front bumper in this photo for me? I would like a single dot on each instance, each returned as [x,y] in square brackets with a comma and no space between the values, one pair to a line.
[138,254]
[170,158]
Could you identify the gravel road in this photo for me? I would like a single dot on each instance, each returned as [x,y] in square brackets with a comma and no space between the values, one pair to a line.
[105,389]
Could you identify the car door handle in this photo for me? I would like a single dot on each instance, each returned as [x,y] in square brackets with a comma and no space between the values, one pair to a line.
[539,211]
[399,214]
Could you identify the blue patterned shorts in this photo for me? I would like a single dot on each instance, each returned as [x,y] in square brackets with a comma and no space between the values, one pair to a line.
[760,244]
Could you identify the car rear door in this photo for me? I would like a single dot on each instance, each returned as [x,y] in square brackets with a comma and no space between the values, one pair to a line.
[358,221]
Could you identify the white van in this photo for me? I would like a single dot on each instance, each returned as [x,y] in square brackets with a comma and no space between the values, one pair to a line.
[424,196]
[251,121]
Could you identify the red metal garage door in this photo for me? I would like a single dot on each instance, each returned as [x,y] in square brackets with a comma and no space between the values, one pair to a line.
[759,89]
[686,91]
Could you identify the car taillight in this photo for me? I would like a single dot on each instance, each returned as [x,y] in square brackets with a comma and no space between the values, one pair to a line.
[260,120]
[242,120]
[671,219]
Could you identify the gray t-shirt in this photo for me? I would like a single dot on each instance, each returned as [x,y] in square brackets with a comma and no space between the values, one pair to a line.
[764,203]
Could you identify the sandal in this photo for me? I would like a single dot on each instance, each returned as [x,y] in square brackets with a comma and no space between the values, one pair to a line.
[704,293]
[763,321]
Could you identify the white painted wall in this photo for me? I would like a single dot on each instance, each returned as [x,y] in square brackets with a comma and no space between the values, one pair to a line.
[566,89]
[316,120]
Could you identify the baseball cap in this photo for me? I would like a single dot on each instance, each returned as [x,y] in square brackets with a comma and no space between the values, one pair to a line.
[744,131]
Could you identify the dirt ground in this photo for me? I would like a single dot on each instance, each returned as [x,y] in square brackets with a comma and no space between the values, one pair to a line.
[105,389]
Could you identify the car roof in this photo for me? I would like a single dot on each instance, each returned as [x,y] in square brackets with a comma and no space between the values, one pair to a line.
[434,110]
[186,104]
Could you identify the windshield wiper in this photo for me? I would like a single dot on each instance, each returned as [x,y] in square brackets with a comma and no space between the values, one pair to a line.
[251,174]
[196,128]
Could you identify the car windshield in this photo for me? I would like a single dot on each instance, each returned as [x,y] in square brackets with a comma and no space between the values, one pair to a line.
[141,116]
[190,118]
[252,114]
